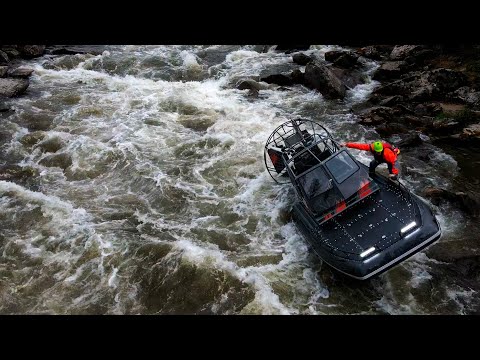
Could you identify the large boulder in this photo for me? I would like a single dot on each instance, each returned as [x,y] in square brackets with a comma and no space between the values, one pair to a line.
[390,70]
[301,59]
[280,74]
[377,115]
[250,84]
[400,52]
[446,80]
[321,78]
[343,59]
[16,172]
[75,49]
[465,202]
[466,95]
[376,52]
[13,87]
[62,160]
[31,51]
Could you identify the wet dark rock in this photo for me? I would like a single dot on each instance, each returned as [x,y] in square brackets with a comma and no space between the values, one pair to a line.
[3,57]
[427,109]
[377,115]
[444,126]
[417,121]
[343,59]
[3,71]
[426,86]
[400,52]
[301,59]
[13,87]
[320,77]
[446,80]
[467,96]
[34,121]
[391,100]
[217,55]
[376,52]
[249,84]
[75,49]
[4,108]
[391,129]
[20,72]
[410,140]
[471,133]
[350,78]
[297,76]
[390,70]
[51,145]
[262,48]
[16,172]
[11,51]
[463,201]
[287,49]
[31,51]
[278,74]
[32,138]
[62,161]
[253,93]
[279,79]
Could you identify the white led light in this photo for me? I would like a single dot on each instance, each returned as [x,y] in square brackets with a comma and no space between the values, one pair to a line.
[370,258]
[408,227]
[366,252]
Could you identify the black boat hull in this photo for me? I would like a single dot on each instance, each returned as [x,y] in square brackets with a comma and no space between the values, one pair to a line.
[388,256]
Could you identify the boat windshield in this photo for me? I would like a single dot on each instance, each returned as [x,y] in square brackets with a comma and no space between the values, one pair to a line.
[315,182]
[342,166]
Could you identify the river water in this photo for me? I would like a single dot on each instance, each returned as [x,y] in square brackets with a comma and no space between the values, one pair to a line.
[152,197]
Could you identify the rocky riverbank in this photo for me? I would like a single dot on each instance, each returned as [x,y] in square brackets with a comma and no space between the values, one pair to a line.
[426,95]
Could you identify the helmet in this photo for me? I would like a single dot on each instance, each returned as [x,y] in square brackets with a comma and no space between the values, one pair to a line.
[377,146]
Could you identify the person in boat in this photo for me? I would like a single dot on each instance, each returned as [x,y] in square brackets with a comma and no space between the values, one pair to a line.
[382,152]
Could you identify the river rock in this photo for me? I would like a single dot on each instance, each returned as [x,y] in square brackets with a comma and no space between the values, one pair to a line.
[62,160]
[20,72]
[301,59]
[32,138]
[343,59]
[16,172]
[465,202]
[13,87]
[320,77]
[51,145]
[377,115]
[376,52]
[3,57]
[30,51]
[3,71]
[249,84]
[390,70]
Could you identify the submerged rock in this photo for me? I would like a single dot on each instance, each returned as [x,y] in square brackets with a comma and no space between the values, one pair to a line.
[62,161]
[16,172]
[32,138]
